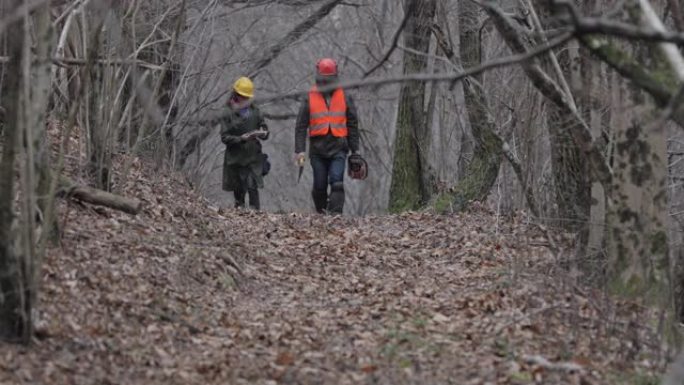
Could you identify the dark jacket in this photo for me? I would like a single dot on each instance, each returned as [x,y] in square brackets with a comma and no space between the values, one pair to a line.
[242,162]
[329,145]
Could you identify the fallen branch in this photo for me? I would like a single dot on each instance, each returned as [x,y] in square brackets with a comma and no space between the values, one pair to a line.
[569,367]
[98,197]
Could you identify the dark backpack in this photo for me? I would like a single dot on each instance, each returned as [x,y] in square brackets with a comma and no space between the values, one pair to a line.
[265,165]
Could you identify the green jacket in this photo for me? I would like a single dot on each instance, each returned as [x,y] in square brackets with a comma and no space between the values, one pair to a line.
[243,161]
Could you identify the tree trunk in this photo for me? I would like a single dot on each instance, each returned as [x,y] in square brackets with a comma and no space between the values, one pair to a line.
[14,316]
[638,248]
[570,167]
[95,90]
[570,171]
[597,86]
[483,169]
[579,130]
[41,76]
[637,242]
[408,189]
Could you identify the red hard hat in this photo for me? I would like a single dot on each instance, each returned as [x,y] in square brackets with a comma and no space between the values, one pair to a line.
[326,67]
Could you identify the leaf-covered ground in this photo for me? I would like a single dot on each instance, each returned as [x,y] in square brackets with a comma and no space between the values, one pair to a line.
[185,293]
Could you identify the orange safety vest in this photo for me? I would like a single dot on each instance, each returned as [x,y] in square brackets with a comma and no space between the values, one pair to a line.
[323,119]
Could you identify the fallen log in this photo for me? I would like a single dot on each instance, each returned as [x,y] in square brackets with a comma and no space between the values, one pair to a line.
[94,196]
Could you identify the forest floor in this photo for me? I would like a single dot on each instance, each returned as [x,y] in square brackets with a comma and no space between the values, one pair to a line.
[185,293]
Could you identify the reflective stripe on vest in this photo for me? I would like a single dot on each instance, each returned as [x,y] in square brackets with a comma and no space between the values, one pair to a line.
[323,119]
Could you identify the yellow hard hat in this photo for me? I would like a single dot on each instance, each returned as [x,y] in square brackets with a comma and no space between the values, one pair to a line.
[244,87]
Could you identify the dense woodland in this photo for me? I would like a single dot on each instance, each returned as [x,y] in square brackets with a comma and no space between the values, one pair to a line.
[554,124]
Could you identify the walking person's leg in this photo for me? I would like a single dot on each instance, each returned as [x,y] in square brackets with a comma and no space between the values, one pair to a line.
[336,179]
[254,198]
[242,181]
[239,194]
[320,183]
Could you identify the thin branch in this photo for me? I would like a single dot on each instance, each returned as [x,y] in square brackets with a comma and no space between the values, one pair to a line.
[70,61]
[448,77]
[65,61]
[376,82]
[626,31]
[395,41]
[599,25]
[552,91]
[554,60]
[19,13]
[294,35]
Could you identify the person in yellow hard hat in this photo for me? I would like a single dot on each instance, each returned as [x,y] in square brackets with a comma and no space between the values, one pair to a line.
[242,131]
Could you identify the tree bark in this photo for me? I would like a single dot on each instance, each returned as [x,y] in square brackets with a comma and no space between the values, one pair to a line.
[570,170]
[638,249]
[14,317]
[677,14]
[99,153]
[483,169]
[570,167]
[637,242]
[408,189]
[578,129]
[41,76]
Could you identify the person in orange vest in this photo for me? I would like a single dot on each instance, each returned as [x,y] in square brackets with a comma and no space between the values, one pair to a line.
[328,117]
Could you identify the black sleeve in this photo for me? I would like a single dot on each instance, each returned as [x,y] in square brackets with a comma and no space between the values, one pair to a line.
[227,136]
[352,125]
[302,127]
[263,126]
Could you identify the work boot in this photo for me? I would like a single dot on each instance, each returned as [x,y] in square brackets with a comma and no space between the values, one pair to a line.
[254,199]
[336,203]
[239,195]
[320,198]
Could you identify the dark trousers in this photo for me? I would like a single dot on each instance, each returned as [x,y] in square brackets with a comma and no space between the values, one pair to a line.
[329,171]
[253,198]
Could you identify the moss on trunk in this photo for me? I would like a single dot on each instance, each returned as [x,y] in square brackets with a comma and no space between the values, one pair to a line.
[405,191]
[408,190]
[483,169]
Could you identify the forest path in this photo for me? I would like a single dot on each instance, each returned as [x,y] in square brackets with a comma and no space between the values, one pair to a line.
[408,299]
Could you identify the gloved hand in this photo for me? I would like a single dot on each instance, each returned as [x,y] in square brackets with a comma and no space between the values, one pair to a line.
[253,135]
[300,159]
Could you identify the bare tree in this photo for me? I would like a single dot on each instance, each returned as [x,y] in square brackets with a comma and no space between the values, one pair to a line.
[483,169]
[411,185]
[15,310]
